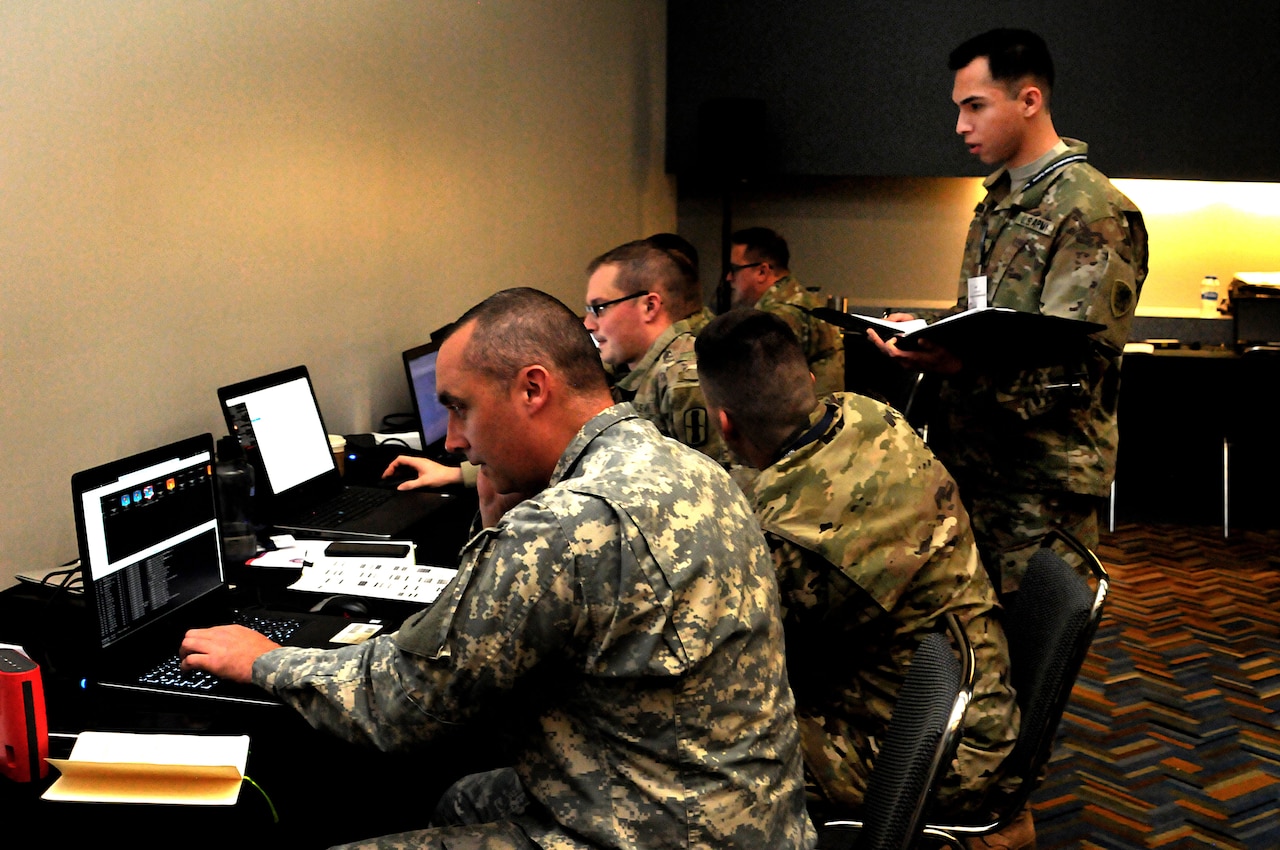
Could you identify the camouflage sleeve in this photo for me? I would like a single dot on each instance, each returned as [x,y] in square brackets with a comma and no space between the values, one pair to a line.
[1092,276]
[511,606]
[349,692]
[807,581]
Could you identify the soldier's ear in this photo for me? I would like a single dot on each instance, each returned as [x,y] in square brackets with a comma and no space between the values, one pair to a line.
[1031,99]
[727,427]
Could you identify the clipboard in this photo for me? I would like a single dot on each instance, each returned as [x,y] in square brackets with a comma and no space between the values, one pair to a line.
[987,334]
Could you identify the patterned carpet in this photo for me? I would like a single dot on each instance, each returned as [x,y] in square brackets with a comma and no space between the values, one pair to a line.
[1171,738]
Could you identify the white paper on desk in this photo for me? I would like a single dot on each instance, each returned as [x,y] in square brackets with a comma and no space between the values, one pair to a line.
[289,557]
[123,767]
[398,579]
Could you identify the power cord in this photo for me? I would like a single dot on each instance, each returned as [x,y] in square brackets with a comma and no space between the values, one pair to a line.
[275,816]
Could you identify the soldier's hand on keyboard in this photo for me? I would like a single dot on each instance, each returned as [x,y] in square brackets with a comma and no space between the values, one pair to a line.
[225,651]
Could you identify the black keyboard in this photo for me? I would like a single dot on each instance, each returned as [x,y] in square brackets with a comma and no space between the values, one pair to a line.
[352,503]
[278,628]
[170,673]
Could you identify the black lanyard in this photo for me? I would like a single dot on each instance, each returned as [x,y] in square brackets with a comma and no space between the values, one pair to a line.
[812,434]
[984,250]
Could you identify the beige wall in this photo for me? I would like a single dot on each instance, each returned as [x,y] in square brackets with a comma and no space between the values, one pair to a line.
[881,241]
[196,193]
[872,240]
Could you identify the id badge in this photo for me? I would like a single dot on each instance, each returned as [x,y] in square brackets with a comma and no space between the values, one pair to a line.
[978,292]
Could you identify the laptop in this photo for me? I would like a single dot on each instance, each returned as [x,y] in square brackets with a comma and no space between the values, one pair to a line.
[431,416]
[151,557]
[277,422]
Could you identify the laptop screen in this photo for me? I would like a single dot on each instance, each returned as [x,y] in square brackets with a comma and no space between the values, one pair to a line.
[148,532]
[433,418]
[279,423]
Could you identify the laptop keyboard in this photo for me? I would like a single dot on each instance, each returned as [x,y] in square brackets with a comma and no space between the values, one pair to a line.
[352,503]
[170,673]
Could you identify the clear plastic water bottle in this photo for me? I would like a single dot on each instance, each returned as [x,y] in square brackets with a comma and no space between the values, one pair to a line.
[1209,297]
[235,483]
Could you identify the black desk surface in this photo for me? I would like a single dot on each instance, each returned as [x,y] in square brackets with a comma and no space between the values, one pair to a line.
[325,791]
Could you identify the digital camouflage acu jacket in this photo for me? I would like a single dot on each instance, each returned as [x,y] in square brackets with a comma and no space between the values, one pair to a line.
[629,610]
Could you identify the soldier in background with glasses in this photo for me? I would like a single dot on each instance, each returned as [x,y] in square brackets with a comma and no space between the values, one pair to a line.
[758,276]
[644,307]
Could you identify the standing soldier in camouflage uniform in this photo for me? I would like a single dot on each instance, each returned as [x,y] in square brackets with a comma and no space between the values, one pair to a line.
[759,277]
[625,612]
[642,303]
[872,548]
[1033,446]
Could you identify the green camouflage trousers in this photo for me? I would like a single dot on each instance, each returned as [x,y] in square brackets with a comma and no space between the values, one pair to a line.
[1008,528]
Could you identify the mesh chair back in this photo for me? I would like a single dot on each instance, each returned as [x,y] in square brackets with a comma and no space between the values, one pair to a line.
[921,737]
[1050,626]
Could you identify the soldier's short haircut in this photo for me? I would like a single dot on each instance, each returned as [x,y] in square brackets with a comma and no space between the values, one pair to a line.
[646,267]
[518,327]
[681,250]
[763,245]
[1012,54]
[751,365]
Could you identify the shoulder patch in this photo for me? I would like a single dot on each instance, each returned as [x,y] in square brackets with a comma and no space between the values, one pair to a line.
[697,426]
[1122,298]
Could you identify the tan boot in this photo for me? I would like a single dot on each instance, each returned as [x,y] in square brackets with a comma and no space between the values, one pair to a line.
[1020,834]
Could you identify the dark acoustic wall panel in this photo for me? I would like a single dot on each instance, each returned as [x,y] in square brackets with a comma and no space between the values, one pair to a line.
[861,87]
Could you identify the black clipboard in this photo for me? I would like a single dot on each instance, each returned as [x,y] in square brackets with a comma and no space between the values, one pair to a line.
[990,333]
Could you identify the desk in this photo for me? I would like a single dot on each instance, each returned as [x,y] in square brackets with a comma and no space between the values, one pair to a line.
[1177,406]
[325,791]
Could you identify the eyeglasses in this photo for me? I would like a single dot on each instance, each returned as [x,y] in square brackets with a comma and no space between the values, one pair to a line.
[734,268]
[597,309]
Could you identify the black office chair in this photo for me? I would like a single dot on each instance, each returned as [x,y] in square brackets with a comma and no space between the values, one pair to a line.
[1050,624]
[919,744]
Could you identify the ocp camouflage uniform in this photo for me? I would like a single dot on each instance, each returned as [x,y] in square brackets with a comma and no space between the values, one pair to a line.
[823,347]
[1034,448]
[664,388]
[872,548]
[629,610]
[699,320]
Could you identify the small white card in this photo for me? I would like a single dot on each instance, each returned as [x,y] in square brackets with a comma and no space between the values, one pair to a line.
[978,292]
[356,633]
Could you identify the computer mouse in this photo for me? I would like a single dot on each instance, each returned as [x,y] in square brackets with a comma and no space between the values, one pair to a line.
[350,606]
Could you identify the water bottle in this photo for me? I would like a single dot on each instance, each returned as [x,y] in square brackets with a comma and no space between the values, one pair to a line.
[1209,297]
[235,480]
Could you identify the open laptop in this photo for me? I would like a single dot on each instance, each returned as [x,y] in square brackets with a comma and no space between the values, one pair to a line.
[431,416]
[277,422]
[151,557]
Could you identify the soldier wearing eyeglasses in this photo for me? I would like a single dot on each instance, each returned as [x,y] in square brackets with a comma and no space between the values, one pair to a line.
[758,276]
[643,309]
